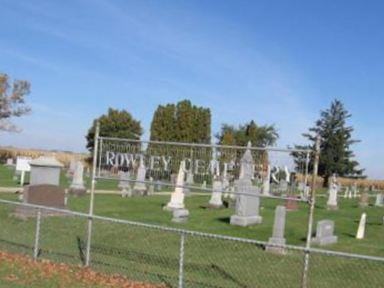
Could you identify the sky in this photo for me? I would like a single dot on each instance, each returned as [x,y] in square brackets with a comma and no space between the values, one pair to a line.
[276,62]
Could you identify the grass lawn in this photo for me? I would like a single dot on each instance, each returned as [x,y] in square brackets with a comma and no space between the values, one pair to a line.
[7,173]
[152,255]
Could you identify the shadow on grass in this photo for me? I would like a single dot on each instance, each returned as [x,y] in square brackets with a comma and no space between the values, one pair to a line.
[350,235]
[224,219]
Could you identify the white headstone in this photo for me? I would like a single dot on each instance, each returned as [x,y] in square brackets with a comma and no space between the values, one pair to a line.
[350,193]
[177,197]
[151,187]
[278,231]
[216,196]
[346,192]
[45,170]
[355,190]
[247,196]
[77,181]
[361,230]
[9,162]
[287,174]
[124,185]
[332,197]
[72,167]
[379,199]
[140,188]
[180,215]
[267,181]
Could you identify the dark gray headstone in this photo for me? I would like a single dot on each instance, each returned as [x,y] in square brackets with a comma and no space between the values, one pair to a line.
[43,194]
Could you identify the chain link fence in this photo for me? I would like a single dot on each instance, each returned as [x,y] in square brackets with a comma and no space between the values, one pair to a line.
[178,257]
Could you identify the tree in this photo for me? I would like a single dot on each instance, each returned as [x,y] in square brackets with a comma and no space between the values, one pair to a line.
[12,101]
[181,122]
[116,123]
[336,139]
[260,136]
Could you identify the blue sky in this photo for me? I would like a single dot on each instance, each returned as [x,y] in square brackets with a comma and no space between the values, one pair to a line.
[277,62]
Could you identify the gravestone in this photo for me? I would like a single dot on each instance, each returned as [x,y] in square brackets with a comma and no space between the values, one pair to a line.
[307,191]
[332,191]
[225,180]
[151,187]
[72,167]
[158,186]
[324,233]
[291,204]
[45,170]
[355,190]
[247,196]
[126,191]
[216,196]
[364,199]
[267,181]
[180,215]
[283,186]
[278,231]
[204,185]
[177,197]
[350,193]
[9,162]
[361,229]
[124,184]
[346,192]
[77,187]
[41,194]
[379,199]
[190,180]
[140,188]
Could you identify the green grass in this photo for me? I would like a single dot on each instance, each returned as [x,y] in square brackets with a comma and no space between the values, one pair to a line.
[152,255]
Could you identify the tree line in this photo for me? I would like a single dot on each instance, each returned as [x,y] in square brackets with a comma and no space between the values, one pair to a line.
[185,122]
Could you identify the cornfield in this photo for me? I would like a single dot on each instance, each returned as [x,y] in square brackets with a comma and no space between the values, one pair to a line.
[63,157]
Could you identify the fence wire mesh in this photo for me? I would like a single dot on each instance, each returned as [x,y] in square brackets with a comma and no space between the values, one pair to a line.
[16,235]
[329,270]
[215,262]
[62,239]
[169,256]
[137,252]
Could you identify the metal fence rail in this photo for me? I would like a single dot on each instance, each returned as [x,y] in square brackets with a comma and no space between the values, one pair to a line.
[178,257]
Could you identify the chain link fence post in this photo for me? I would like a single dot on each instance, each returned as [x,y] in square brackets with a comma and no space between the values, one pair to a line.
[311,212]
[181,261]
[37,235]
[91,202]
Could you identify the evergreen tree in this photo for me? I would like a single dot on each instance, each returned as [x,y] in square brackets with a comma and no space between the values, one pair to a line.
[182,122]
[336,139]
[260,136]
[163,127]
[116,123]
